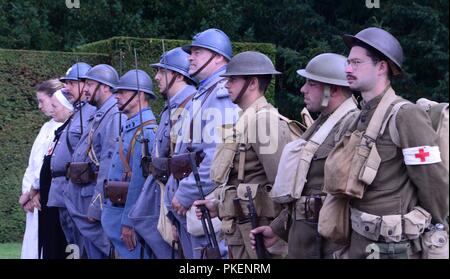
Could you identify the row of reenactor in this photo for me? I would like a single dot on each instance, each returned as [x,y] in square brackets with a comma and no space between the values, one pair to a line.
[224,175]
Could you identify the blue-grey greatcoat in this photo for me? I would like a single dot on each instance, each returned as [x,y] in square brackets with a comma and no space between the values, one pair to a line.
[145,214]
[114,217]
[62,155]
[218,110]
[83,201]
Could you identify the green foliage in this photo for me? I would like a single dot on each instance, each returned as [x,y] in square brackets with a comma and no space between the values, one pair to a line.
[20,121]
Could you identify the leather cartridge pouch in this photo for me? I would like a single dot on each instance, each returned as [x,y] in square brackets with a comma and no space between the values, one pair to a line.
[116,191]
[159,167]
[82,172]
[180,164]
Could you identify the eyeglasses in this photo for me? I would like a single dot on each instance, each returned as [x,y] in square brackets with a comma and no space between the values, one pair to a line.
[355,63]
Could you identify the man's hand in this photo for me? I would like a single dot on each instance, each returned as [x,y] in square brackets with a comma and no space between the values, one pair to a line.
[270,238]
[179,209]
[128,237]
[211,205]
[92,220]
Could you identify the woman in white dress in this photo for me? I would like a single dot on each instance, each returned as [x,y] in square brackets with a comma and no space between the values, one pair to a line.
[44,92]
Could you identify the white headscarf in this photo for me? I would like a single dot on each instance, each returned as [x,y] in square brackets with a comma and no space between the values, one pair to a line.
[63,100]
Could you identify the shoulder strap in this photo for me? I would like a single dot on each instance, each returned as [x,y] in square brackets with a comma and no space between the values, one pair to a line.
[177,113]
[90,151]
[391,120]
[194,114]
[126,162]
[323,132]
[376,122]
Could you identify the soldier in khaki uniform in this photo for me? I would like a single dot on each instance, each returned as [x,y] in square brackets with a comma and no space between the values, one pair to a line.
[402,208]
[248,156]
[325,91]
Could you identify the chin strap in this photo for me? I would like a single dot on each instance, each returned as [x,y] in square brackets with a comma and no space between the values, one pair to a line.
[204,65]
[326,96]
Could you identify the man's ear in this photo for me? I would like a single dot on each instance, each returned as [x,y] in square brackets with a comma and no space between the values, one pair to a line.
[254,83]
[383,67]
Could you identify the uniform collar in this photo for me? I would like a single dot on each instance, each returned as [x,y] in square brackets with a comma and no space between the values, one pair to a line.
[259,103]
[372,104]
[135,120]
[180,96]
[111,101]
[211,80]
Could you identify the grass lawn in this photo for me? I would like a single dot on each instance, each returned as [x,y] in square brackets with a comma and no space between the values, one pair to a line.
[10,250]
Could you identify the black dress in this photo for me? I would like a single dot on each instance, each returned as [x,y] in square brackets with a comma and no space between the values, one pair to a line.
[51,240]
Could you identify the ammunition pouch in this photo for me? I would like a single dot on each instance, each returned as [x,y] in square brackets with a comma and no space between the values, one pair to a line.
[390,228]
[180,164]
[264,205]
[82,172]
[116,192]
[159,167]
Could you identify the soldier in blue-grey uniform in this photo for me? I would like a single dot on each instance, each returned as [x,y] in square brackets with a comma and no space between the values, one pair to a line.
[62,154]
[177,88]
[209,109]
[126,177]
[92,159]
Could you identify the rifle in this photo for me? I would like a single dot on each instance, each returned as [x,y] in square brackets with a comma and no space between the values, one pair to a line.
[146,158]
[319,239]
[212,251]
[261,251]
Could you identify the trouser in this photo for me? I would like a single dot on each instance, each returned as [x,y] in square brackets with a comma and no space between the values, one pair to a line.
[112,226]
[70,232]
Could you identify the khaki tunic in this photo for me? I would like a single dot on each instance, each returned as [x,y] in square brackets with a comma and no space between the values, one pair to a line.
[259,169]
[397,188]
[302,235]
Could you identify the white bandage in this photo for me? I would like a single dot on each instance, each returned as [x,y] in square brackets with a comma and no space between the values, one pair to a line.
[63,100]
[422,155]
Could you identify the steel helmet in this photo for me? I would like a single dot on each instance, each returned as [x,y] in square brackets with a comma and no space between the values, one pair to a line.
[76,72]
[382,41]
[104,74]
[129,81]
[212,39]
[328,68]
[250,63]
[175,60]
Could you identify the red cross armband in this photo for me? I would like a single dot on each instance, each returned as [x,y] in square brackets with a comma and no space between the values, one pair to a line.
[422,155]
